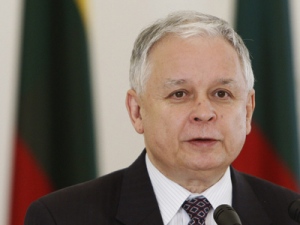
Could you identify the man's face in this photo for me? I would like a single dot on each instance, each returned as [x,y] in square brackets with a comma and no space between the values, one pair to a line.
[196,110]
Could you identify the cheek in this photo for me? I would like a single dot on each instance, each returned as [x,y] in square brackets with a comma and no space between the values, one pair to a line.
[234,127]
[237,117]
[156,121]
[164,127]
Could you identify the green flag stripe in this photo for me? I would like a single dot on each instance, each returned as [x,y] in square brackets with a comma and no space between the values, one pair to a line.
[265,27]
[55,99]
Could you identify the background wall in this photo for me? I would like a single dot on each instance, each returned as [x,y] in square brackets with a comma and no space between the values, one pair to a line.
[114,26]
[9,43]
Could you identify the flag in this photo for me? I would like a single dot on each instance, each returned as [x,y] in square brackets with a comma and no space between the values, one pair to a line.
[54,140]
[271,150]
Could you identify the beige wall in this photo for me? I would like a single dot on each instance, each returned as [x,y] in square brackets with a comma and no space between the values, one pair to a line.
[114,24]
[9,37]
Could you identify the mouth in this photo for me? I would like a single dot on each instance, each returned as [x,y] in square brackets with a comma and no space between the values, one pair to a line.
[203,141]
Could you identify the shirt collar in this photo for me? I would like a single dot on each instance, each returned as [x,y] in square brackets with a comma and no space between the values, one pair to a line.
[220,193]
[170,195]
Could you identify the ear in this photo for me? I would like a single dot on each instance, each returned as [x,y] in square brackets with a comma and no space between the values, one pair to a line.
[250,109]
[134,110]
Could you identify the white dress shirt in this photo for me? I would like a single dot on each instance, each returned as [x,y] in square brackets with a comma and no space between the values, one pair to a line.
[170,196]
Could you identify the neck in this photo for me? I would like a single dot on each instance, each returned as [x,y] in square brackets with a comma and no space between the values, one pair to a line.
[195,181]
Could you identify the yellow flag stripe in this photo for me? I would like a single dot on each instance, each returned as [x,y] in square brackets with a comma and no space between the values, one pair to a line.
[82,7]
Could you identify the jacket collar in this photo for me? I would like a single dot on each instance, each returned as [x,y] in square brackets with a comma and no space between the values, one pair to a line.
[245,202]
[138,203]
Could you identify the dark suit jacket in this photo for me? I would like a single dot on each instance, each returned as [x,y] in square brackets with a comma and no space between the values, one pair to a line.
[127,197]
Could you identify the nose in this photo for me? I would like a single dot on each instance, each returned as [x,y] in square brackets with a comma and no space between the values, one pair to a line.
[203,112]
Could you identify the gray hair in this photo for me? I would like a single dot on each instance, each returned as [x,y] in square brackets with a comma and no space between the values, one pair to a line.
[185,24]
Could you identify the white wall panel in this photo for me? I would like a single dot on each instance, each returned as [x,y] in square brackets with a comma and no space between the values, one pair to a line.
[9,39]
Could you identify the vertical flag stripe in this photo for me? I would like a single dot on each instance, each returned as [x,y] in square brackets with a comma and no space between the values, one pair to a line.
[55,144]
[265,27]
[26,187]
[259,158]
[82,6]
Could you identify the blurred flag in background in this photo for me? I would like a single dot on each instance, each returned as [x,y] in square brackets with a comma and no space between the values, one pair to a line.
[54,141]
[271,150]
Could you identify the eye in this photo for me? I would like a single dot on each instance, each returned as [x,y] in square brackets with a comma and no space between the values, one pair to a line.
[222,94]
[179,94]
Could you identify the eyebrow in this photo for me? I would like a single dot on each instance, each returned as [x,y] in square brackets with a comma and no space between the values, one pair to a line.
[174,82]
[226,81]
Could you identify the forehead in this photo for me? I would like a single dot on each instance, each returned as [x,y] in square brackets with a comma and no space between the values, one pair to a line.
[176,59]
[175,45]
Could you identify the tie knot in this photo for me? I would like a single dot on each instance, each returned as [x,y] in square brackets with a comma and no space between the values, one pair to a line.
[197,209]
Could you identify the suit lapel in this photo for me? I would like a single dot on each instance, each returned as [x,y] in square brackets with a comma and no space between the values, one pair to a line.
[138,203]
[243,197]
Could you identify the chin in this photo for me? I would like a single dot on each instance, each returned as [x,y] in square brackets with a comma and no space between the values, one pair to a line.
[207,164]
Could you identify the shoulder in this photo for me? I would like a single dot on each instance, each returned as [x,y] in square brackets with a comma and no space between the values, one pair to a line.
[89,202]
[266,189]
[97,198]
[103,187]
[265,196]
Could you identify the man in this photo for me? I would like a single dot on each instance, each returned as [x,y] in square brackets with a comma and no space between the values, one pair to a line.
[192,98]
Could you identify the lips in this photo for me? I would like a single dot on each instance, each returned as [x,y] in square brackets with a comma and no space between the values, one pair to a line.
[202,141]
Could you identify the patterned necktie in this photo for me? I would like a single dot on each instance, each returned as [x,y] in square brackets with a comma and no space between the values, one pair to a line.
[197,209]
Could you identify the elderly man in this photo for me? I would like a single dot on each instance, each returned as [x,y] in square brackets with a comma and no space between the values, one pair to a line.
[192,98]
